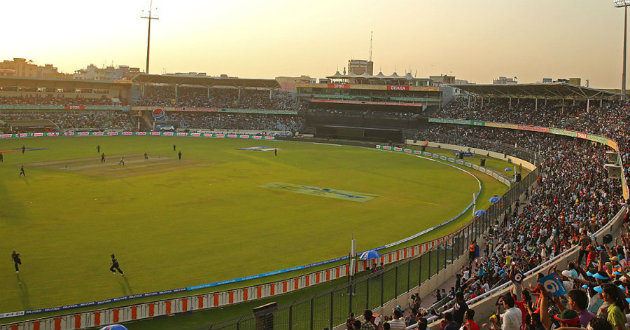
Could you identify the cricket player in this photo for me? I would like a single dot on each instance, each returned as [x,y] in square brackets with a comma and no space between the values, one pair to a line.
[115,266]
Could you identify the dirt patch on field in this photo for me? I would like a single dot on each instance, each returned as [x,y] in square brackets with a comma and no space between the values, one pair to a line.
[135,165]
[174,166]
[83,160]
[129,163]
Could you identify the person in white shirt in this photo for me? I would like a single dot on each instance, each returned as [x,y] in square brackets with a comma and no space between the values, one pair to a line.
[512,319]
[396,322]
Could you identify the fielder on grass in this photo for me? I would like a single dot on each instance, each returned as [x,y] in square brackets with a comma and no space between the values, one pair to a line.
[115,266]
[16,261]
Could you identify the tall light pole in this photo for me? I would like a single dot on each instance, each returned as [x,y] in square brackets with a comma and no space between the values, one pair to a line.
[151,17]
[624,4]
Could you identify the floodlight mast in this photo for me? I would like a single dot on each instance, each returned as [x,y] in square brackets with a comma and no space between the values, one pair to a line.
[624,4]
[151,17]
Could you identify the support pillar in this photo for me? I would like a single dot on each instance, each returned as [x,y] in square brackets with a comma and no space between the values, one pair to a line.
[536,102]
[545,101]
[264,316]
[176,92]
[469,100]
[510,104]
[588,105]
[239,95]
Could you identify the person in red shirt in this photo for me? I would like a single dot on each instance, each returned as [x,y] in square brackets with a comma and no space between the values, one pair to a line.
[470,323]
[522,305]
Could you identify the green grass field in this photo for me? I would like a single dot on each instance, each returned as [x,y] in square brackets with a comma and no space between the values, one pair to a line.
[203,219]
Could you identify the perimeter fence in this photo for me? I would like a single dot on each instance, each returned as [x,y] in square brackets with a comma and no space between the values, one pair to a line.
[330,308]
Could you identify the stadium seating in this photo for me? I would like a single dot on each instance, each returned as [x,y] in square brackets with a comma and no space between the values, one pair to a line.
[197,97]
[574,196]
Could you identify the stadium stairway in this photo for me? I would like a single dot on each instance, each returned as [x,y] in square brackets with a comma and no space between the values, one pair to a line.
[146,121]
[428,300]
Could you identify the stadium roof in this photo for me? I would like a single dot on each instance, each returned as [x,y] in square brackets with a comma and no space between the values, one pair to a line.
[365,75]
[542,91]
[206,81]
[44,82]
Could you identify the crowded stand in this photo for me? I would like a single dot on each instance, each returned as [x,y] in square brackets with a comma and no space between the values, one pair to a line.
[54,100]
[72,120]
[198,97]
[573,198]
[239,121]
[359,114]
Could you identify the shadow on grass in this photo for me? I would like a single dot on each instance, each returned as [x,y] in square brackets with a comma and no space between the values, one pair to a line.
[125,287]
[24,296]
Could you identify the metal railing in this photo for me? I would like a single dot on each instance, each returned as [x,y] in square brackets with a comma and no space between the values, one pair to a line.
[332,307]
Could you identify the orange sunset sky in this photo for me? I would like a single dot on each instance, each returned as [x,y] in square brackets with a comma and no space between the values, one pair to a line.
[474,40]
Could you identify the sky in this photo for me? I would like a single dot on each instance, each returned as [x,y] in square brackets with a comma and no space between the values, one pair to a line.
[476,40]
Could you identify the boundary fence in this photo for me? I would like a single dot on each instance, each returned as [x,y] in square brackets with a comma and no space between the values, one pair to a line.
[331,308]
[318,312]
[219,299]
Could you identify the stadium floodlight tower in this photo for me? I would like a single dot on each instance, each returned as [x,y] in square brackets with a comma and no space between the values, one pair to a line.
[624,4]
[149,17]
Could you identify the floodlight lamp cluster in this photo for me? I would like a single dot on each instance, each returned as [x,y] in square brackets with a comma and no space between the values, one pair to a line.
[621,3]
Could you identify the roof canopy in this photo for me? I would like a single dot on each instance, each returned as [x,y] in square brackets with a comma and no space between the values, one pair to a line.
[542,91]
[61,83]
[365,75]
[206,81]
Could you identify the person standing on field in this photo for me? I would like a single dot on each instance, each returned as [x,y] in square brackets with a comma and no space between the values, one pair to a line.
[23,149]
[98,149]
[102,157]
[22,173]
[115,266]
[16,261]
[179,154]
[174,147]
[1,158]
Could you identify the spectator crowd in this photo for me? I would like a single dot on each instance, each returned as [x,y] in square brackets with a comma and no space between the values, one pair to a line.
[200,97]
[54,100]
[239,121]
[68,120]
[573,198]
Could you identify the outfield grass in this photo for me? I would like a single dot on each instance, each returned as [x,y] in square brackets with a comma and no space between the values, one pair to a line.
[203,219]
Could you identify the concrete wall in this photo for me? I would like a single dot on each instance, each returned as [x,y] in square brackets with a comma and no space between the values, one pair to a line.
[486,307]
[496,155]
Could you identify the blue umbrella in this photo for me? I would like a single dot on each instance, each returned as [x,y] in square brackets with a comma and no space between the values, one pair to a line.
[479,213]
[494,199]
[114,327]
[371,254]
[508,169]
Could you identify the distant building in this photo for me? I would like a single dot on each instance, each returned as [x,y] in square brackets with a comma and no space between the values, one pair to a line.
[20,67]
[92,72]
[505,81]
[359,67]
[288,83]
[442,80]
[572,81]
[188,74]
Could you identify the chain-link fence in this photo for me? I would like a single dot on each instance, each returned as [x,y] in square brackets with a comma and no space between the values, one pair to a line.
[332,307]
